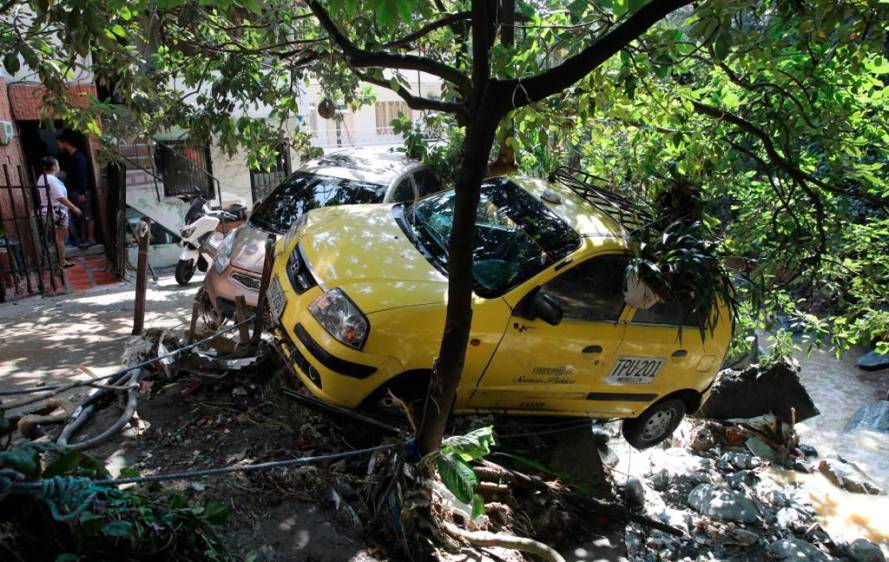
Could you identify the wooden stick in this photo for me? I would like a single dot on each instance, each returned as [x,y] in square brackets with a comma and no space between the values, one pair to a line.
[261,304]
[195,312]
[240,316]
[141,275]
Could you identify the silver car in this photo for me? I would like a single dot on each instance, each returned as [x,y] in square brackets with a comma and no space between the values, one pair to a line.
[344,177]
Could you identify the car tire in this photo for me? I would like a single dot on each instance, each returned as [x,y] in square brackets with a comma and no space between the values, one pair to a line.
[184,271]
[655,424]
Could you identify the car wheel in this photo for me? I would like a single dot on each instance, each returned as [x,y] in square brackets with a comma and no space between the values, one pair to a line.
[655,424]
[211,317]
[184,271]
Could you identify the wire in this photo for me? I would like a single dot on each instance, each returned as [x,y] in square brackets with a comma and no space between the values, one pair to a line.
[219,471]
[175,352]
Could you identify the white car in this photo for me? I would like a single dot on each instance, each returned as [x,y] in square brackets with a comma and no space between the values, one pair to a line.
[351,176]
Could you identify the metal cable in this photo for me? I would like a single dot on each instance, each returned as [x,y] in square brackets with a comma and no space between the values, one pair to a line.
[192,474]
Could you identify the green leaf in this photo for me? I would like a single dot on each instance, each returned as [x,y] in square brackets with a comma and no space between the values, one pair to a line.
[478,506]
[67,557]
[66,464]
[11,63]
[118,30]
[472,446]
[458,477]
[118,529]
[635,5]
[216,513]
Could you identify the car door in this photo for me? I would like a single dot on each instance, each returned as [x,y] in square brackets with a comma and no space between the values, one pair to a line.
[538,366]
[660,355]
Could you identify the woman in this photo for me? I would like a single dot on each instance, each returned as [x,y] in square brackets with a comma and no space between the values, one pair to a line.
[59,201]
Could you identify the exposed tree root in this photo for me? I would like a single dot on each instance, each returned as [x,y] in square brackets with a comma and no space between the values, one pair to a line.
[484,538]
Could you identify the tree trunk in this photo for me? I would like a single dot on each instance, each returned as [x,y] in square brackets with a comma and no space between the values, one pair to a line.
[449,365]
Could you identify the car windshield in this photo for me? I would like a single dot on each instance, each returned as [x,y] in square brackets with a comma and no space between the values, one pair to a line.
[302,192]
[516,236]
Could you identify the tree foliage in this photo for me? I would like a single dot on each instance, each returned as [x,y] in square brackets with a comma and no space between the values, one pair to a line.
[773,110]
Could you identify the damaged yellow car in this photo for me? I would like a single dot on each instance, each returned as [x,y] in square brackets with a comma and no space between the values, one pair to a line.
[358,297]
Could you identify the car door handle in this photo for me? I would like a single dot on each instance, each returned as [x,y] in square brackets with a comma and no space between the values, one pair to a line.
[593,349]
[680,353]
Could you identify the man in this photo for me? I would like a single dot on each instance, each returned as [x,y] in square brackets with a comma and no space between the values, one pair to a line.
[77,180]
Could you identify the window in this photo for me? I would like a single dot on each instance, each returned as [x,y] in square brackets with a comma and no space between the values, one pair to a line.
[388,111]
[516,235]
[304,191]
[426,182]
[404,191]
[664,313]
[593,291]
[185,168]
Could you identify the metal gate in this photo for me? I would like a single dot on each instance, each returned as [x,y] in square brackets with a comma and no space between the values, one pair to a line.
[29,262]
[262,182]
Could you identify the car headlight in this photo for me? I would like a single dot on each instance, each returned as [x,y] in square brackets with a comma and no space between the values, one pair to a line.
[224,253]
[341,318]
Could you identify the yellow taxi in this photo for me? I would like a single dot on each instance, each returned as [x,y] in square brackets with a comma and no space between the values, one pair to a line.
[358,297]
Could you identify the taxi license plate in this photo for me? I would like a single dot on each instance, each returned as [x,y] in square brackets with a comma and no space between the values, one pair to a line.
[635,370]
[275,297]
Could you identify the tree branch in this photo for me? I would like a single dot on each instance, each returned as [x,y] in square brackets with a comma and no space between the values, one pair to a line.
[359,58]
[481,44]
[789,167]
[414,102]
[448,20]
[574,68]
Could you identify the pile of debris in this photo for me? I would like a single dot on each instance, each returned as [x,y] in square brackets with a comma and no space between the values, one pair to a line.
[728,482]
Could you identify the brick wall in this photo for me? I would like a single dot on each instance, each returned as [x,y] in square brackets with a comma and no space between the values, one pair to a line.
[15,205]
[11,159]
[26,99]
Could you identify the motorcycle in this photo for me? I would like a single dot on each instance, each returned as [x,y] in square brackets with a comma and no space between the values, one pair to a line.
[199,238]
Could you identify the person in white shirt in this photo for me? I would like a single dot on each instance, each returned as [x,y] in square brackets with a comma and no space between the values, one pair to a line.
[59,202]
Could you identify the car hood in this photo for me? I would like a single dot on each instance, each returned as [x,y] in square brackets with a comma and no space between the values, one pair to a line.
[361,249]
[248,248]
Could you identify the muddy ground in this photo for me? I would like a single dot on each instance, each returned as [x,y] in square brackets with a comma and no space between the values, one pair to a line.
[289,514]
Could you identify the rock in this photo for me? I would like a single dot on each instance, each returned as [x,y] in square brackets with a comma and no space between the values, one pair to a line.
[633,492]
[873,361]
[660,480]
[736,460]
[759,390]
[698,435]
[790,518]
[807,450]
[674,517]
[796,550]
[724,505]
[763,450]
[771,494]
[874,417]
[862,550]
[743,537]
[848,476]
[741,479]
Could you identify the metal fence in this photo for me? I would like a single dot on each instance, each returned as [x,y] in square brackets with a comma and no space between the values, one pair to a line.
[29,262]
[262,182]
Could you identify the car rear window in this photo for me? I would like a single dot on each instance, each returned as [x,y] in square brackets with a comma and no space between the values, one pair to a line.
[302,192]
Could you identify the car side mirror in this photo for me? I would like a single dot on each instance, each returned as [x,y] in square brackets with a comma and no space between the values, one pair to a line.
[547,308]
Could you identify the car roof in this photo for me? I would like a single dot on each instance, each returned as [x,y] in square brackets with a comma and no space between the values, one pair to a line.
[584,218]
[372,165]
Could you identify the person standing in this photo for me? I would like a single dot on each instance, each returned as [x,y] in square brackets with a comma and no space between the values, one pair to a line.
[58,202]
[77,178]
